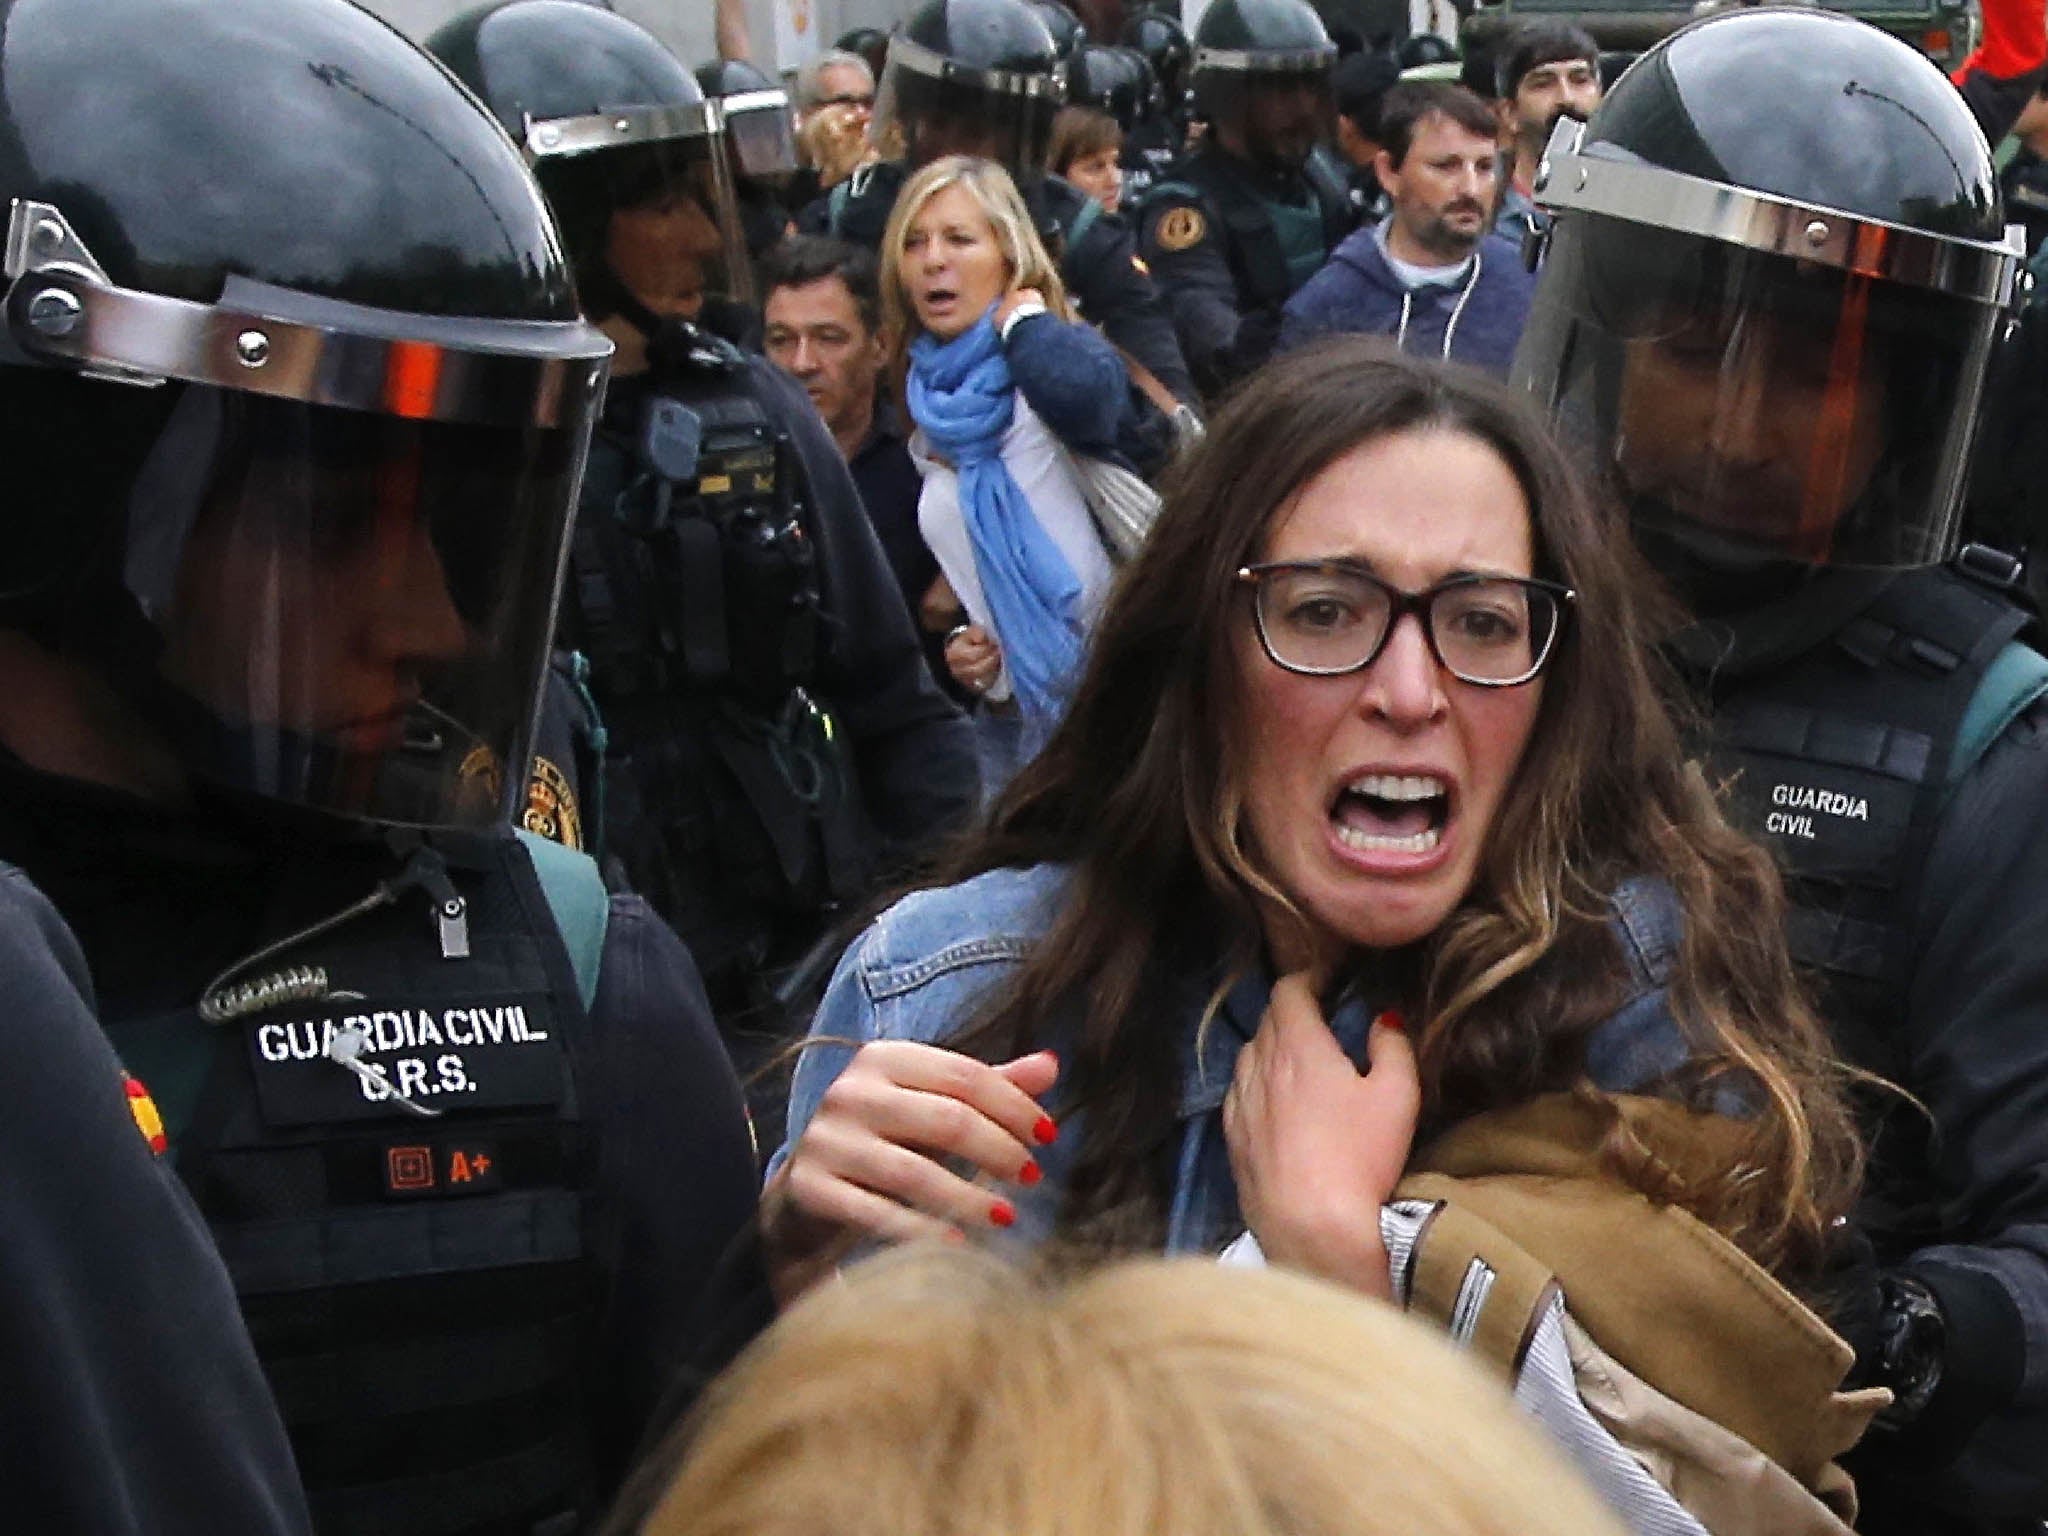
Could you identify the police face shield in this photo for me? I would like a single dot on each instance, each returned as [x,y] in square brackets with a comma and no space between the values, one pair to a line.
[342,546]
[939,108]
[650,205]
[1271,112]
[760,132]
[1791,399]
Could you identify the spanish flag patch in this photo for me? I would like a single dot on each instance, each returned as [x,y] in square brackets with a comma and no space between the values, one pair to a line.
[144,1109]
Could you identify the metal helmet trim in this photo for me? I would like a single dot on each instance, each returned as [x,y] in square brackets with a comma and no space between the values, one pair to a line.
[1569,180]
[919,60]
[754,101]
[557,138]
[1278,61]
[62,308]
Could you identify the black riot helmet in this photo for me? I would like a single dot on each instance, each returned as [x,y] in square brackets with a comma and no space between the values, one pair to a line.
[760,124]
[1773,326]
[632,156]
[1262,79]
[871,43]
[1068,32]
[979,77]
[303,399]
[1160,38]
[1114,80]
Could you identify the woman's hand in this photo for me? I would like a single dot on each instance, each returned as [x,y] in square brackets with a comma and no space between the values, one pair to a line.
[873,1160]
[974,657]
[1011,300]
[1316,1147]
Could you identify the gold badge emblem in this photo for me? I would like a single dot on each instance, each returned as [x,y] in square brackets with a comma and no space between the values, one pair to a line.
[1180,228]
[551,808]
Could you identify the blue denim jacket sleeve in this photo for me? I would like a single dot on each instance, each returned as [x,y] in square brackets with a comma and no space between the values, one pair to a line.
[918,973]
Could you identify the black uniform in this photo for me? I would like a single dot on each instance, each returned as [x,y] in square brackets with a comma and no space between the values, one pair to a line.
[1230,244]
[134,1402]
[1911,838]
[467,1317]
[776,741]
[1231,238]
[277,625]
[1793,463]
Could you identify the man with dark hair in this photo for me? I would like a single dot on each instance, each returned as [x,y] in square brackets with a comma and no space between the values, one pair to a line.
[1546,70]
[1359,85]
[823,327]
[1432,274]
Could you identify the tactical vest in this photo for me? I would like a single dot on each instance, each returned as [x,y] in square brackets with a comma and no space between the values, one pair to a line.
[384,1136]
[1270,248]
[1842,761]
[729,789]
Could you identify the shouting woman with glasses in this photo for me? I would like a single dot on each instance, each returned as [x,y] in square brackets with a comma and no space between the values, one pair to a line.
[1367,823]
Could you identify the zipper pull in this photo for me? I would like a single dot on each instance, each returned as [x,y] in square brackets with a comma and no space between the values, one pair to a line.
[451,912]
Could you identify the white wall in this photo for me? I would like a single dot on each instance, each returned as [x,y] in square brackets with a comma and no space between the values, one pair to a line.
[686,25]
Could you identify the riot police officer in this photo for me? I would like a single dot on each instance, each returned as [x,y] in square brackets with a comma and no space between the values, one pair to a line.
[984,77]
[760,139]
[1159,137]
[1254,211]
[777,743]
[292,335]
[1772,330]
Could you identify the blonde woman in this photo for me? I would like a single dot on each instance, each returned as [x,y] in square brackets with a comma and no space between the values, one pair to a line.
[1002,383]
[950,1394]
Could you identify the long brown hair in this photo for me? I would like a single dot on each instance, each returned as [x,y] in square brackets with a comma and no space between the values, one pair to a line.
[1138,793]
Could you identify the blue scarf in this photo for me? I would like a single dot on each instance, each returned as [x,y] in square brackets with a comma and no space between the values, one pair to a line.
[962,396]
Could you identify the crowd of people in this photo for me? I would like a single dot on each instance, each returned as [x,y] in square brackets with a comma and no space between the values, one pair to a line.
[887,802]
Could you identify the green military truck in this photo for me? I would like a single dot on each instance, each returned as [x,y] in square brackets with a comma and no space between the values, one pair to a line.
[1945,30]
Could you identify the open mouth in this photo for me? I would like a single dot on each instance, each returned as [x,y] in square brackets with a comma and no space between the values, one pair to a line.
[1391,813]
[939,298]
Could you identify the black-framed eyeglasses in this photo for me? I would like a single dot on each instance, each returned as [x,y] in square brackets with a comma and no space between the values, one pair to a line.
[1324,618]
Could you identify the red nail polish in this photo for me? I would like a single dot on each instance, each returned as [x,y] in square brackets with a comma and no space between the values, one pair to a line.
[1030,1173]
[1002,1214]
[1045,1133]
[1391,1018]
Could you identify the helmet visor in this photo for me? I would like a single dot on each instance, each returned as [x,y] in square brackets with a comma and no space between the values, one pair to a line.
[1753,404]
[1279,114]
[761,128]
[352,610]
[991,114]
[661,217]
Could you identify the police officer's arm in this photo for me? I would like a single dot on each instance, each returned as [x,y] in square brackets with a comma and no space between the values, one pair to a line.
[913,748]
[1978,1029]
[678,1184]
[1183,246]
[1116,292]
[1072,377]
[130,1399]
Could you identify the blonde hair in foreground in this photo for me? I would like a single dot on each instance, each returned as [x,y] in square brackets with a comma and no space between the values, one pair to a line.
[940,1392]
[1031,265]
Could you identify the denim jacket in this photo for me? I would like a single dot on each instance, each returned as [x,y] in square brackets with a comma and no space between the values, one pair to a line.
[925,965]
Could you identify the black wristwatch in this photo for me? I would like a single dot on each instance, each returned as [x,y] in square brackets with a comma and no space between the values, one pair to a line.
[1912,1337]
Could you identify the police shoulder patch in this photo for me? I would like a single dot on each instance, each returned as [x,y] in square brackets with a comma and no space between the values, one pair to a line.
[1180,229]
[551,808]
